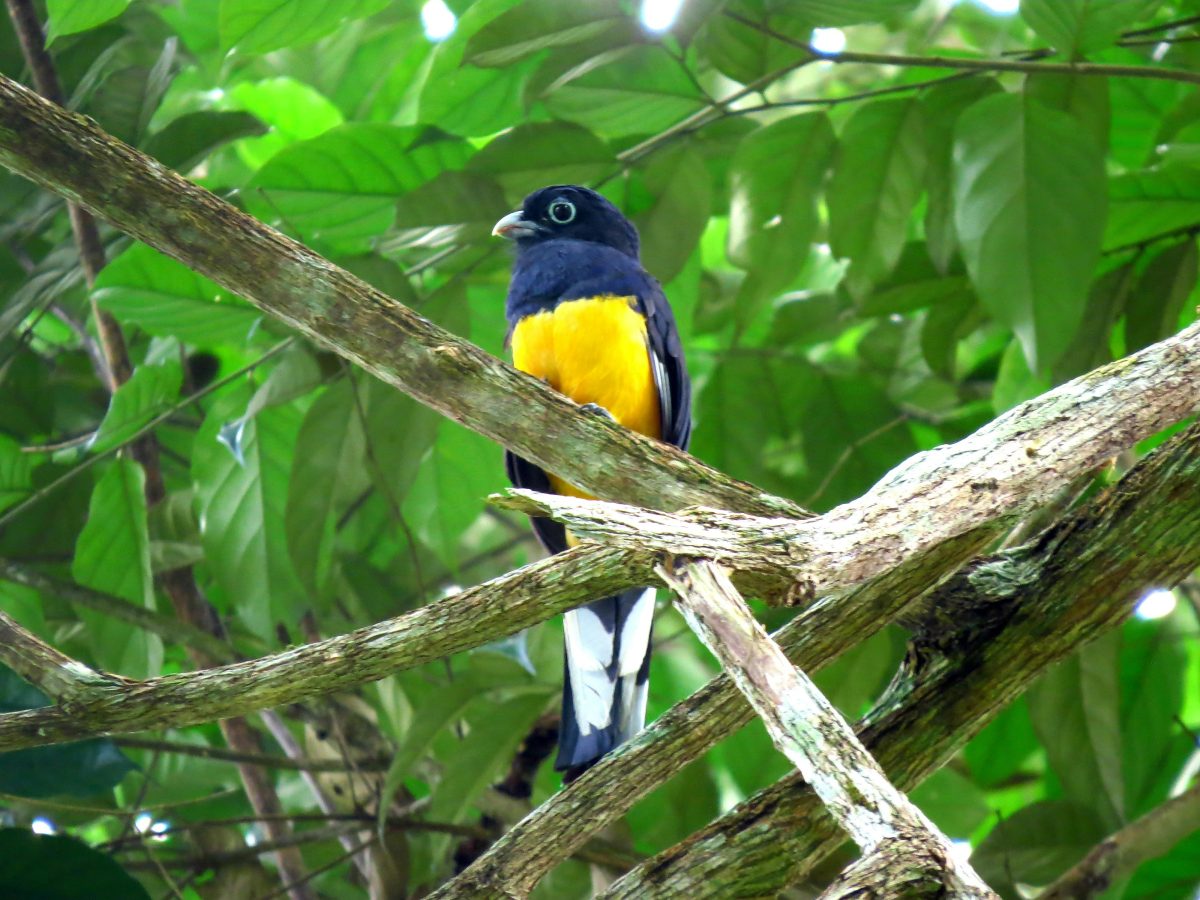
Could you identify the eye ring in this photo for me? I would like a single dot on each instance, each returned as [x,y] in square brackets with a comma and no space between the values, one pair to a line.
[561,211]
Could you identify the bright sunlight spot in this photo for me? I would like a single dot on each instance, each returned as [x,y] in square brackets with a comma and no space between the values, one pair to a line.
[659,15]
[437,20]
[1155,605]
[143,822]
[828,40]
[43,826]
[1000,7]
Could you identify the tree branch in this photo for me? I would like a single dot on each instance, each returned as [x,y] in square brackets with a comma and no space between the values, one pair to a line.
[72,156]
[1114,858]
[987,634]
[1018,461]
[55,674]
[497,608]
[1160,73]
[896,838]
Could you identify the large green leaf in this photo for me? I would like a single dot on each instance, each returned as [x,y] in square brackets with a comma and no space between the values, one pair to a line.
[340,188]
[1001,749]
[539,24]
[1154,672]
[495,730]
[1029,209]
[294,111]
[1036,844]
[256,26]
[943,105]
[848,12]
[540,153]
[113,555]
[184,141]
[143,287]
[1155,304]
[632,90]
[1085,99]
[877,178]
[399,432]
[57,867]
[71,16]
[80,769]
[329,471]
[1076,28]
[16,473]
[149,392]
[775,181]
[671,227]
[1075,712]
[1150,203]
[241,501]
[451,489]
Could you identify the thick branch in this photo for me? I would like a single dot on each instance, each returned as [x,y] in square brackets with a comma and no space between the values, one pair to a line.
[813,735]
[1120,853]
[500,607]
[72,156]
[1010,465]
[991,630]
[56,674]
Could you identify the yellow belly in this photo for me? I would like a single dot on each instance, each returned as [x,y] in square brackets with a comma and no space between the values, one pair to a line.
[594,351]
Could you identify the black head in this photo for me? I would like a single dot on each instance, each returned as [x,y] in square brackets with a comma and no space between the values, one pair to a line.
[569,212]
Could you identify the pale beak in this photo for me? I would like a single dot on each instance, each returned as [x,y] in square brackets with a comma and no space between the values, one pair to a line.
[514,227]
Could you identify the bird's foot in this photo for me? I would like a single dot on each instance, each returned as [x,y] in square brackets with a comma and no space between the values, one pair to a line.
[597,410]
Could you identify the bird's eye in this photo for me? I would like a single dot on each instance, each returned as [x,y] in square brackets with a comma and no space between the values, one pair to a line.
[561,211]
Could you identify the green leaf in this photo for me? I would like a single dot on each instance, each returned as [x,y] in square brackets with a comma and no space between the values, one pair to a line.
[466,206]
[1150,203]
[1170,877]
[804,318]
[1154,672]
[112,555]
[340,188]
[672,225]
[825,13]
[746,53]
[535,154]
[1076,28]
[1153,311]
[329,472]
[536,25]
[1090,347]
[877,178]
[294,111]
[399,432]
[80,769]
[956,805]
[915,284]
[149,392]
[775,181]
[71,16]
[241,506]
[164,298]
[185,141]
[1075,712]
[1083,98]
[488,748]
[632,90]
[451,489]
[57,867]
[1001,749]
[942,106]
[16,473]
[256,26]
[1037,844]
[1029,209]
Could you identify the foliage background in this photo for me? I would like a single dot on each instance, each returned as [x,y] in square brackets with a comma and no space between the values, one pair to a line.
[865,260]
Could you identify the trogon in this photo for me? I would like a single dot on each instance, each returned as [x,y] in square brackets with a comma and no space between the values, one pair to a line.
[584,316]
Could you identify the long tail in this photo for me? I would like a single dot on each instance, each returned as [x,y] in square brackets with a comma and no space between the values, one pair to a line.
[607,667]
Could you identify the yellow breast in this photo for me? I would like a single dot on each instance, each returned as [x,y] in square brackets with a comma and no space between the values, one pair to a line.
[594,351]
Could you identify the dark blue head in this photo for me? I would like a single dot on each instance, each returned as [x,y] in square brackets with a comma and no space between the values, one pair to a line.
[569,212]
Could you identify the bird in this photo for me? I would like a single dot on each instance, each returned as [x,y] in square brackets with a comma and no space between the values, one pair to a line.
[585,316]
